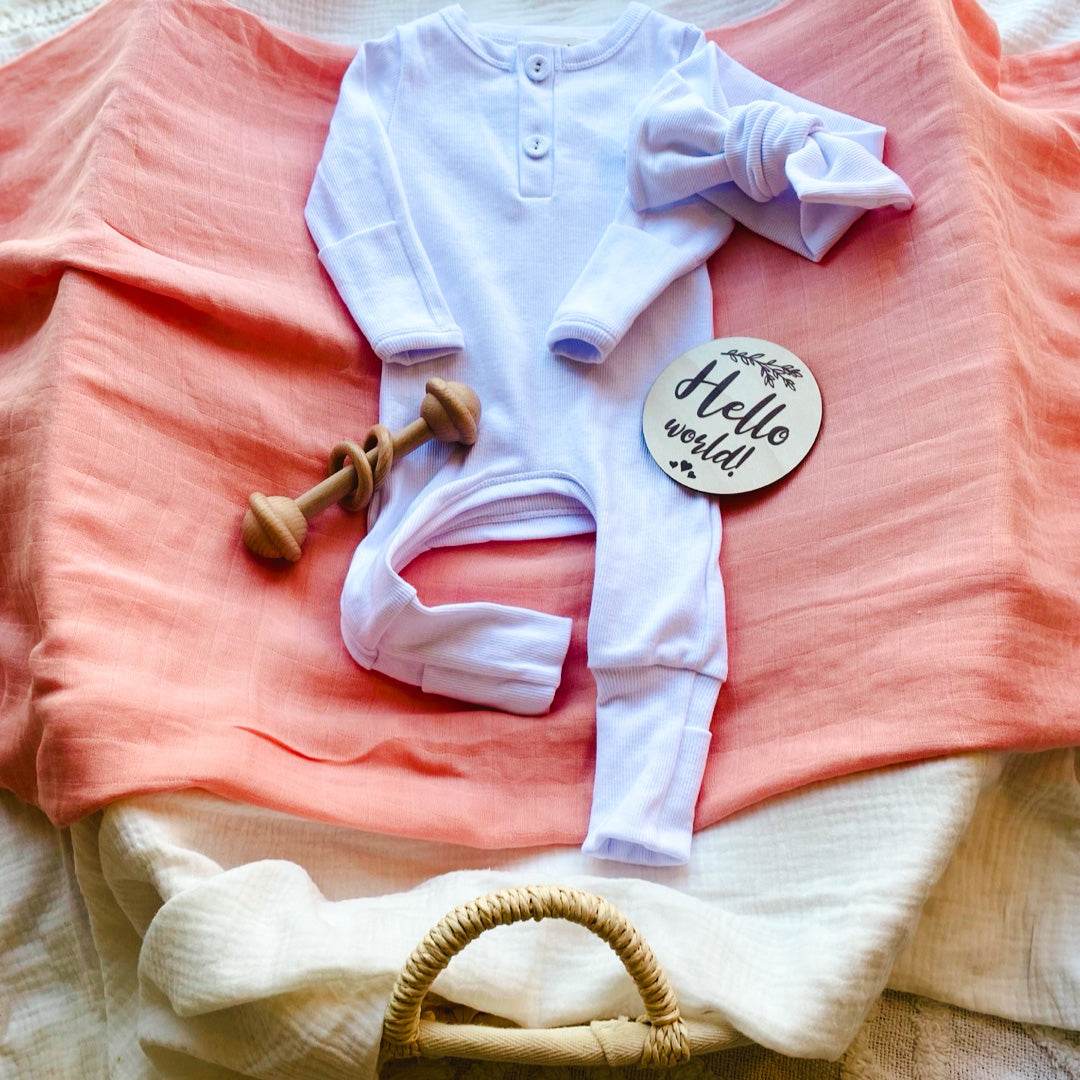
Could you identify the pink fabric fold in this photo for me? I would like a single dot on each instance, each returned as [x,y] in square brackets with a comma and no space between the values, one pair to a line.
[169,343]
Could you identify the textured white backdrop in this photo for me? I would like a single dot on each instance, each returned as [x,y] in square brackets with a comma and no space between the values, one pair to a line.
[1024,24]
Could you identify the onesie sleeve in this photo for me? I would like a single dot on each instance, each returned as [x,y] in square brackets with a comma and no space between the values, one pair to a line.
[359,218]
[715,143]
[640,254]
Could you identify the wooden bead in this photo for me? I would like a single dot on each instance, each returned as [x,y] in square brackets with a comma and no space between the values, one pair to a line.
[275,526]
[451,411]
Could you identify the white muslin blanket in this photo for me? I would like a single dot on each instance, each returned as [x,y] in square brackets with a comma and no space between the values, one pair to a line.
[267,945]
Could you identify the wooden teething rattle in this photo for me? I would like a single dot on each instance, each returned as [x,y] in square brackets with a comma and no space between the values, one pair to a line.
[275,526]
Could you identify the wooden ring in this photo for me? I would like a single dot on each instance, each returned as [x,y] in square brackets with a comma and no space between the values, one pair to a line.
[381,441]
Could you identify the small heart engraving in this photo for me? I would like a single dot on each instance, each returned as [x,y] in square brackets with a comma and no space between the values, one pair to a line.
[673,464]
[684,465]
[692,475]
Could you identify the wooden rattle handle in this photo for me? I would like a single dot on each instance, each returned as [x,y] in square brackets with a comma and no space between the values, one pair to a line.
[275,526]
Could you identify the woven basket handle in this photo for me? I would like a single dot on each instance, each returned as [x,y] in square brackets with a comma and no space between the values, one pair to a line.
[665,1042]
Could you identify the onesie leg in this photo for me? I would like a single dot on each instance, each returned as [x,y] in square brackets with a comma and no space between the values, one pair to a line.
[658,653]
[652,739]
[505,657]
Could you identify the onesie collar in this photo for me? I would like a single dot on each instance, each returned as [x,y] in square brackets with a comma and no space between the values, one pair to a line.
[500,48]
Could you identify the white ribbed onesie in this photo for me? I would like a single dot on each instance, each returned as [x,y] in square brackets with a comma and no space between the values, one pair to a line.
[468,177]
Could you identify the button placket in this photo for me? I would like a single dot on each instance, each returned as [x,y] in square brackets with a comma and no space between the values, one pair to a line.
[536,110]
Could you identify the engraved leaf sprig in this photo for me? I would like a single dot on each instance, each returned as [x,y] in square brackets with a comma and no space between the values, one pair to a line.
[771,370]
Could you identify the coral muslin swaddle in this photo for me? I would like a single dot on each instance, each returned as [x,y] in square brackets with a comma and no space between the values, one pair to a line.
[466,180]
[170,343]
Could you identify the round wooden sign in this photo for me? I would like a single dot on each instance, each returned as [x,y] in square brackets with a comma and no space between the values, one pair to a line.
[733,415]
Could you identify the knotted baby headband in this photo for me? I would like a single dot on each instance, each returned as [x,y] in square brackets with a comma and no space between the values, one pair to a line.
[681,145]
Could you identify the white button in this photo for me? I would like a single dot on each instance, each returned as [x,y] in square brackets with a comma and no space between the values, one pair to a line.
[537,67]
[536,146]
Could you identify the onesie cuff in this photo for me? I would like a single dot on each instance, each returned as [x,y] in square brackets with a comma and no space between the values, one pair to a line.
[580,337]
[652,743]
[413,347]
[390,290]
